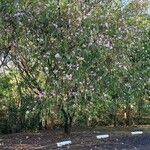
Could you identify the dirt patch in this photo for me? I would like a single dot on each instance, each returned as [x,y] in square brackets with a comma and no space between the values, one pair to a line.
[81,139]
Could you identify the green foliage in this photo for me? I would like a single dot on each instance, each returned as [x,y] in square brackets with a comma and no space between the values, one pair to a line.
[65,60]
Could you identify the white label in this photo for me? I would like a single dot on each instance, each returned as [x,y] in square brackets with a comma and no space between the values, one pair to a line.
[60,144]
[137,132]
[102,136]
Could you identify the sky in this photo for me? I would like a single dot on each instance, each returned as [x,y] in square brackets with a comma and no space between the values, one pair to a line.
[125,2]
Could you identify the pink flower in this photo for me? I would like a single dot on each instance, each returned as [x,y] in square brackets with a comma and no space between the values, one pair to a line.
[41,94]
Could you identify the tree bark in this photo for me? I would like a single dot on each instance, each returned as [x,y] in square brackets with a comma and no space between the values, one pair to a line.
[128,113]
[67,122]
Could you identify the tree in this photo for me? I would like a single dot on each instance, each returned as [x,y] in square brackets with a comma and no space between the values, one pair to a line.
[75,59]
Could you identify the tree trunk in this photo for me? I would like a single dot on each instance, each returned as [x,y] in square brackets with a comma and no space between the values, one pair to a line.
[114,97]
[140,106]
[128,117]
[45,124]
[115,120]
[67,121]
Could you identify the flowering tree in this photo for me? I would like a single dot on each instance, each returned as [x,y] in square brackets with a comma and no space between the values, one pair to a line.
[76,59]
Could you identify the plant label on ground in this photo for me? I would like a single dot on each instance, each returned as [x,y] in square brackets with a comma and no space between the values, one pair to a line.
[60,144]
[102,136]
[137,132]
